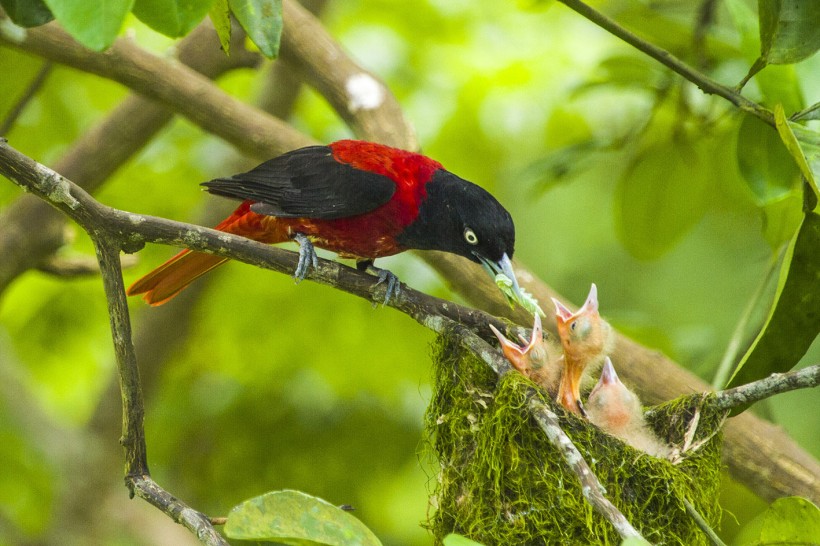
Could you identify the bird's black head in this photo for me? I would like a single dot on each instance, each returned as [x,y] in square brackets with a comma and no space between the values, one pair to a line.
[459,217]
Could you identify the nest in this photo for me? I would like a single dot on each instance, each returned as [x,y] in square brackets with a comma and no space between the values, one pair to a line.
[502,482]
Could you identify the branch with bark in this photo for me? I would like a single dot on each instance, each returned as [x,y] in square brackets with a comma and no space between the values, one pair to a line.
[789,469]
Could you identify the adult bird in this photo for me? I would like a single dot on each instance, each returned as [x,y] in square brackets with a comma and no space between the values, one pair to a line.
[359,199]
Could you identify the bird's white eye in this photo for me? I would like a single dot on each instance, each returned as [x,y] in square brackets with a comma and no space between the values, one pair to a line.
[470,236]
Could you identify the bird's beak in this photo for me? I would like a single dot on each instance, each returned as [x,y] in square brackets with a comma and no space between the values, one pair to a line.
[608,375]
[504,265]
[518,355]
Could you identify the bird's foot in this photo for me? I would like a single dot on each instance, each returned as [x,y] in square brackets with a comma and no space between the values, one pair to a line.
[307,257]
[393,283]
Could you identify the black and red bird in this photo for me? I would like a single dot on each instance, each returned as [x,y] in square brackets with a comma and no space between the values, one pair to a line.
[359,199]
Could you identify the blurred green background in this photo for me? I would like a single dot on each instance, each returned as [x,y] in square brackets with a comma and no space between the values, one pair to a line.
[614,172]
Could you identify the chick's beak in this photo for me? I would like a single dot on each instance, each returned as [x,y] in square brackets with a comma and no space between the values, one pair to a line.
[518,355]
[608,375]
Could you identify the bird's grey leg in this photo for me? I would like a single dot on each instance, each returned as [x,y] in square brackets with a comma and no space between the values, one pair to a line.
[307,257]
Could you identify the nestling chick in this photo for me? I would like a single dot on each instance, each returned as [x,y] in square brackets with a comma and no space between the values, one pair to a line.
[586,339]
[617,411]
[539,358]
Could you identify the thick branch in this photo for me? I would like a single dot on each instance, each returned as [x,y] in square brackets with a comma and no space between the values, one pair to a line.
[359,97]
[175,85]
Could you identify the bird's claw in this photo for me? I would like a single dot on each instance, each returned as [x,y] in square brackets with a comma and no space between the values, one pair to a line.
[307,257]
[393,284]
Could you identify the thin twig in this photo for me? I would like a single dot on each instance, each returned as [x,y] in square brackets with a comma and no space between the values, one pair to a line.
[704,526]
[776,383]
[197,522]
[28,94]
[706,84]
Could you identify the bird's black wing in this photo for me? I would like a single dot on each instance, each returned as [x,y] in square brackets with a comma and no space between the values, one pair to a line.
[309,183]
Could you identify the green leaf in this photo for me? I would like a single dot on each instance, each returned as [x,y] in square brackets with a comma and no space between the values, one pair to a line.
[293,517]
[459,540]
[780,84]
[781,218]
[27,13]
[93,24]
[804,146]
[262,20]
[765,165]
[660,197]
[789,520]
[794,319]
[220,15]
[789,30]
[172,18]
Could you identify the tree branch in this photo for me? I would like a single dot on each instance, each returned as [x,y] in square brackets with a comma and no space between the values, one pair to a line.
[171,83]
[706,84]
[764,388]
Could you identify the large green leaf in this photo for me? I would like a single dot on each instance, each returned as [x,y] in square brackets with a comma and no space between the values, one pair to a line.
[788,521]
[794,320]
[27,13]
[262,20]
[93,24]
[789,30]
[765,165]
[804,146]
[293,517]
[660,197]
[173,18]
[220,14]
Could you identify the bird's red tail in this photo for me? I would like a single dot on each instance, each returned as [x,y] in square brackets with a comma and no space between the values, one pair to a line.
[167,280]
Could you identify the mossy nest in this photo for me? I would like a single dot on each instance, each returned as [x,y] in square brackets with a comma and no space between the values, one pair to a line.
[502,482]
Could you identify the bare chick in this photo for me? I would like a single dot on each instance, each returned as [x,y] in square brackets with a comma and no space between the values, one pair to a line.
[586,340]
[617,411]
[538,358]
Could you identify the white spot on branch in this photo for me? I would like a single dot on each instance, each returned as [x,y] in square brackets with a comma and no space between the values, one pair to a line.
[56,188]
[12,32]
[364,92]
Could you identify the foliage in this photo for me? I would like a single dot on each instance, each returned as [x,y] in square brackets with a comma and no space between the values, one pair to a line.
[292,517]
[276,386]
[97,24]
[790,520]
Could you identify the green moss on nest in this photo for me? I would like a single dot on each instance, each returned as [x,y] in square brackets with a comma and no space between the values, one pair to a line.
[502,482]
